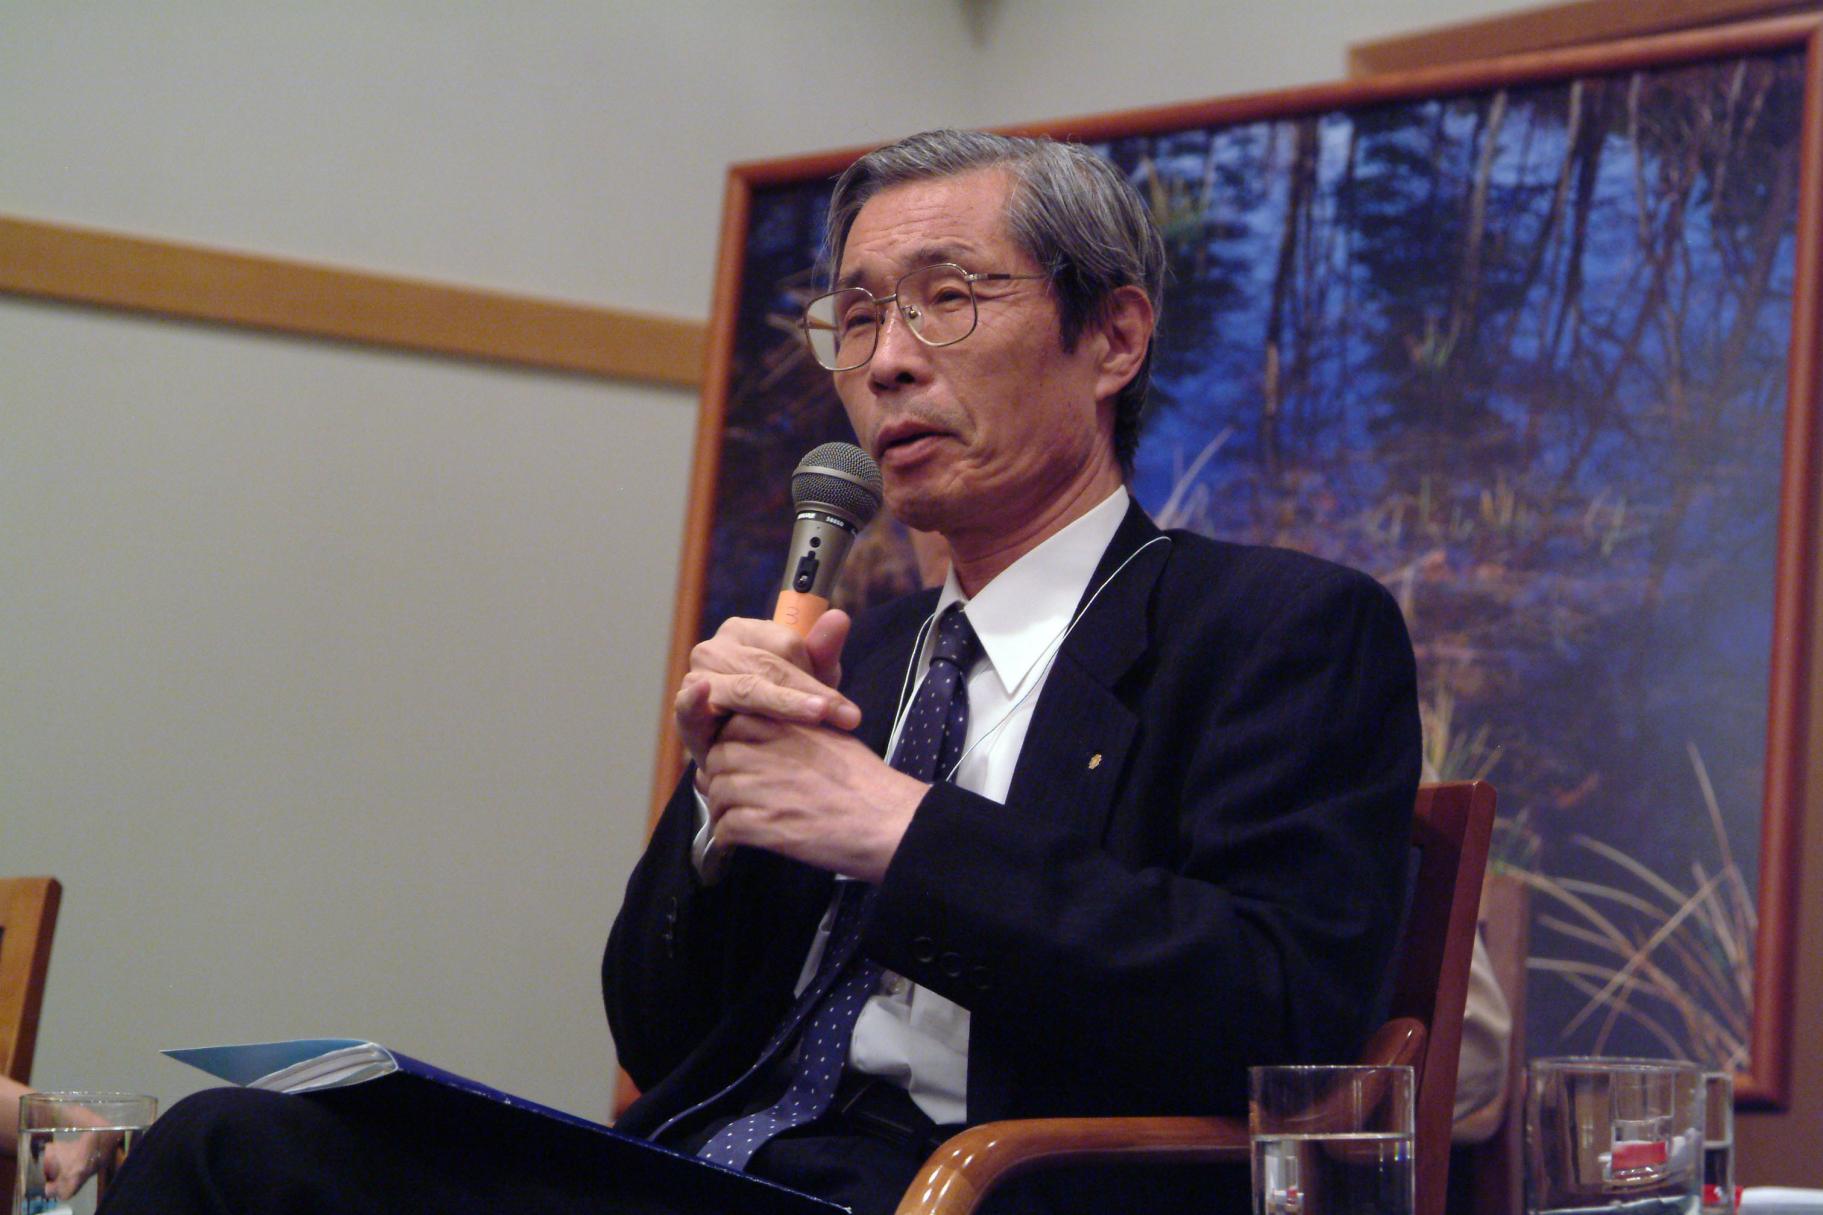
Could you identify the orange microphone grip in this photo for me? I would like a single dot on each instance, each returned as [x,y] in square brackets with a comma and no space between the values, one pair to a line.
[797,611]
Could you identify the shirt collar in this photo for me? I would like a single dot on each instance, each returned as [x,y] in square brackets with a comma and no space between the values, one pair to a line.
[1023,612]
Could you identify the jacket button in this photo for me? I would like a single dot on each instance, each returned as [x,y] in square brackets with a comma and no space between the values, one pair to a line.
[923,950]
[980,977]
[952,965]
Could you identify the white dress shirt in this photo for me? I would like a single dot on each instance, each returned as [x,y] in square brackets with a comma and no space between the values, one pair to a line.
[909,1034]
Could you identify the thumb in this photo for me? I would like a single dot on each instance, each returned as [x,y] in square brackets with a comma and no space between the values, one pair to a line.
[824,644]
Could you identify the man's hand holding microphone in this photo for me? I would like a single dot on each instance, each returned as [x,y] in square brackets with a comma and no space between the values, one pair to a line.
[760,714]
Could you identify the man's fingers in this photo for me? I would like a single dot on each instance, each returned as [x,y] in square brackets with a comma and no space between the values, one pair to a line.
[697,721]
[733,753]
[753,692]
[772,688]
[758,667]
[739,638]
[692,700]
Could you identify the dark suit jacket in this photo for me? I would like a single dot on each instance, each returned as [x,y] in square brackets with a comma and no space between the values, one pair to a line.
[1200,865]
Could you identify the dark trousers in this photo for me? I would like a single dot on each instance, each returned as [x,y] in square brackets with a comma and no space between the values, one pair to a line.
[372,1150]
[379,1150]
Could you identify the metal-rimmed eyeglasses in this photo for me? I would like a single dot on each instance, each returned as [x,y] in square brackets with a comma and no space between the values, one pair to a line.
[937,303]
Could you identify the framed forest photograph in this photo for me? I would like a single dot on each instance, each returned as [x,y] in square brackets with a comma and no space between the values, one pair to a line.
[1535,343]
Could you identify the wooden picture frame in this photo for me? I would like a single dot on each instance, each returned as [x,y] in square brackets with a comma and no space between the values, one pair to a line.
[1549,26]
[762,408]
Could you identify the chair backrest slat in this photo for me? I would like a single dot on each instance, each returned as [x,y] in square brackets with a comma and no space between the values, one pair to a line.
[1451,827]
[28,917]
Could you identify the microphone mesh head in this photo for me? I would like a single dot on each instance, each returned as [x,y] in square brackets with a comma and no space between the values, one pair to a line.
[841,478]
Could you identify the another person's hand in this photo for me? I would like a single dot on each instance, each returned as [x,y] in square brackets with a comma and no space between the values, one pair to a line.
[764,669]
[68,1163]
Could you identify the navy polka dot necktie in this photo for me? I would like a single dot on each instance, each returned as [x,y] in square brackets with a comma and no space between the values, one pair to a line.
[930,745]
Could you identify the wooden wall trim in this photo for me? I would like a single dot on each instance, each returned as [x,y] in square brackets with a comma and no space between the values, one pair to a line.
[136,274]
[1554,25]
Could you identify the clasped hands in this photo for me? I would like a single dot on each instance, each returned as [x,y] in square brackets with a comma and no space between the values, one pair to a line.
[761,717]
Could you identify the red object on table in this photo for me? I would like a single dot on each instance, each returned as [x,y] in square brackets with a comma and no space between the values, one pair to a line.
[1712,1196]
[1639,1154]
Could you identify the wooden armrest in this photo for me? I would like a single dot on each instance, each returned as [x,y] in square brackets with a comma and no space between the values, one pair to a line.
[1398,1043]
[961,1172]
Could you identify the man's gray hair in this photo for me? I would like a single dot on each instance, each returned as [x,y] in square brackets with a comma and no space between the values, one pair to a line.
[1070,209]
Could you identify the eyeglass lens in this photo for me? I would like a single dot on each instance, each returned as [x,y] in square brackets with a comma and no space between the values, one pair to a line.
[937,304]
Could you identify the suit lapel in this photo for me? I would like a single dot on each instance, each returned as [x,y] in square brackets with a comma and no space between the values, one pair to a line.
[1077,744]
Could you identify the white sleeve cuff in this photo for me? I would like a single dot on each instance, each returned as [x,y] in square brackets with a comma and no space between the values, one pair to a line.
[709,857]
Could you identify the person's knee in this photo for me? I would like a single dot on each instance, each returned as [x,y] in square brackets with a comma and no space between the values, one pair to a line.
[219,1115]
[206,1144]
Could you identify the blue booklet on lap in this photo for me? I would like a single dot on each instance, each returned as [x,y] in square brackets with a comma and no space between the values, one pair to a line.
[628,1166]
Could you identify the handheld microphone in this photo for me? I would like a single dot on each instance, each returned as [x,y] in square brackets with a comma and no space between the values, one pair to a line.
[835,491]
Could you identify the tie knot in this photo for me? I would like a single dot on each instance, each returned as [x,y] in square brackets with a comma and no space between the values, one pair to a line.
[956,641]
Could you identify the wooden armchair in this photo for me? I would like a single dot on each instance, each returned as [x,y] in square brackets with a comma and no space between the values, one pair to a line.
[28,916]
[1450,831]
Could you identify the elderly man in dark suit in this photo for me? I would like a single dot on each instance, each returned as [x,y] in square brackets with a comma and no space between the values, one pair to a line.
[1143,824]
[1165,834]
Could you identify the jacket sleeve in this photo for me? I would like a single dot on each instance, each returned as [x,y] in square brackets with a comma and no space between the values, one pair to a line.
[1238,904]
[663,951]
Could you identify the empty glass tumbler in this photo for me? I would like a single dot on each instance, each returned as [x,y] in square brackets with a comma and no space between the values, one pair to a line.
[1614,1134]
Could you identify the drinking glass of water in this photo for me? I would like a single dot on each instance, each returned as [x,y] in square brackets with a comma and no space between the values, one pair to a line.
[1332,1140]
[1613,1134]
[1718,1143]
[70,1147]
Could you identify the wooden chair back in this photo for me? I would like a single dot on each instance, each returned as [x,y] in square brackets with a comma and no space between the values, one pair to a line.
[28,917]
[1451,827]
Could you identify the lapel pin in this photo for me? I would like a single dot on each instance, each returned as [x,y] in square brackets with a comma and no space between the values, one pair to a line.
[1095,761]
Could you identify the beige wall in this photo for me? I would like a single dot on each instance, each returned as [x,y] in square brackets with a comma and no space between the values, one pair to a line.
[329,679]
